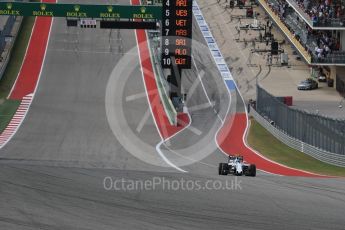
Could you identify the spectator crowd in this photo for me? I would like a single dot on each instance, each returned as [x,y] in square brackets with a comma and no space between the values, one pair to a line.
[318,43]
[323,12]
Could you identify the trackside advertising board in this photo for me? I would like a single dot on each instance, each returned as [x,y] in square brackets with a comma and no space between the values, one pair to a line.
[80,10]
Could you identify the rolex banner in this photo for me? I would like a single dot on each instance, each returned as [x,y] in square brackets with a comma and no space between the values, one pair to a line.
[80,10]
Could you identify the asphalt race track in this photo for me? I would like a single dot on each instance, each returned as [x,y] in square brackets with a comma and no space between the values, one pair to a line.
[52,172]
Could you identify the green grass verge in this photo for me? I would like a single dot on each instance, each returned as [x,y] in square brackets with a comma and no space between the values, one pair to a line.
[7,110]
[9,107]
[265,143]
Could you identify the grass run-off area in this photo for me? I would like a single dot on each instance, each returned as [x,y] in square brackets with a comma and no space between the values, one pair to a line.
[7,110]
[269,146]
[9,107]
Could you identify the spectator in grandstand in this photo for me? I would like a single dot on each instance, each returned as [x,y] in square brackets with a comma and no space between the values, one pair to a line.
[326,43]
[323,11]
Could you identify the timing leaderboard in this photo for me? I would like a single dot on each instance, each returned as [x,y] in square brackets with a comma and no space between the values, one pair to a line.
[177,33]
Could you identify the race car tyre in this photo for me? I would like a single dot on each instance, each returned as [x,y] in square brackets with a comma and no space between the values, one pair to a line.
[223,169]
[251,171]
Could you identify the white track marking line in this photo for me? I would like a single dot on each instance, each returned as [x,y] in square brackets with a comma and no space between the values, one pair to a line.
[159,150]
[188,158]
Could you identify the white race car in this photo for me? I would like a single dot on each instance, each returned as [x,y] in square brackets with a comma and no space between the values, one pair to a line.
[237,167]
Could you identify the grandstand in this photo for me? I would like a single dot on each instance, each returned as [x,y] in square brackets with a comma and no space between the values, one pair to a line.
[321,13]
[316,29]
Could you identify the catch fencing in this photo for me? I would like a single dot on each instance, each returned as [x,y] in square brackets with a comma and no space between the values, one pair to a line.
[324,133]
[5,39]
[7,36]
[6,31]
[330,158]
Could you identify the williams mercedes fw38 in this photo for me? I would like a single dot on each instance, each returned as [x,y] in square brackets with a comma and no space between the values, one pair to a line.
[237,167]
